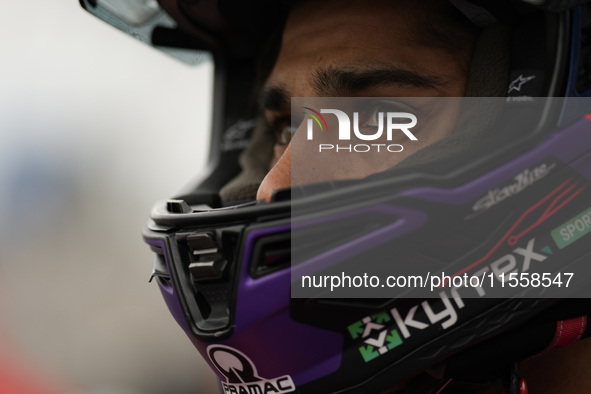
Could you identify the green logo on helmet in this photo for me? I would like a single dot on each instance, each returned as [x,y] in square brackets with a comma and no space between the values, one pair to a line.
[377,339]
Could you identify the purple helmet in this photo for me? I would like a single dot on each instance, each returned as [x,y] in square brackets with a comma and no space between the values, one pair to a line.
[514,195]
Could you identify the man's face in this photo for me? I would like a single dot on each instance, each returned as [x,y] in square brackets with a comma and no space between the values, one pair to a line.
[354,49]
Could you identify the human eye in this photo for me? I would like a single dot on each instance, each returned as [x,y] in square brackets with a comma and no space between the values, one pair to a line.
[280,131]
[371,113]
[285,135]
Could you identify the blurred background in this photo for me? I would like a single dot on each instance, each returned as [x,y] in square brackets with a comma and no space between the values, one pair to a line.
[94,128]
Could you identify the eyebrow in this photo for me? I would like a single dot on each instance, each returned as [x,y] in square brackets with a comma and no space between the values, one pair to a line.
[274,98]
[344,81]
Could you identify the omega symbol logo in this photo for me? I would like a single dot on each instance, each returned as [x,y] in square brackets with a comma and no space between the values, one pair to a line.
[241,373]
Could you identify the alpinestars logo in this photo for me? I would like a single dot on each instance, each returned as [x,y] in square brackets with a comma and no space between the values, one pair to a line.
[242,376]
[517,83]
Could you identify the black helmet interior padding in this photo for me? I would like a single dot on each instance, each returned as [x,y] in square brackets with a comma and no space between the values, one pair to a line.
[489,70]
[488,77]
[255,163]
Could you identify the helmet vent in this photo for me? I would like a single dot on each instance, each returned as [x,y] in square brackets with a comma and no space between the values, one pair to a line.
[204,280]
[206,259]
[271,254]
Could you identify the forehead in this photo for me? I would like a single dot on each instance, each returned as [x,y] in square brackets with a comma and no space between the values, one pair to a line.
[345,20]
[349,33]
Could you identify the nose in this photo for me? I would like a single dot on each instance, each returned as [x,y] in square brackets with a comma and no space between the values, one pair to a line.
[278,178]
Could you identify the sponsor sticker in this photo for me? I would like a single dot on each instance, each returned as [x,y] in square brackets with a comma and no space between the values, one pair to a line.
[377,339]
[241,373]
[521,181]
[573,229]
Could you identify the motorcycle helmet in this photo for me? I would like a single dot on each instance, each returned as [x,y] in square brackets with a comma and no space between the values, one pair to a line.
[224,262]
